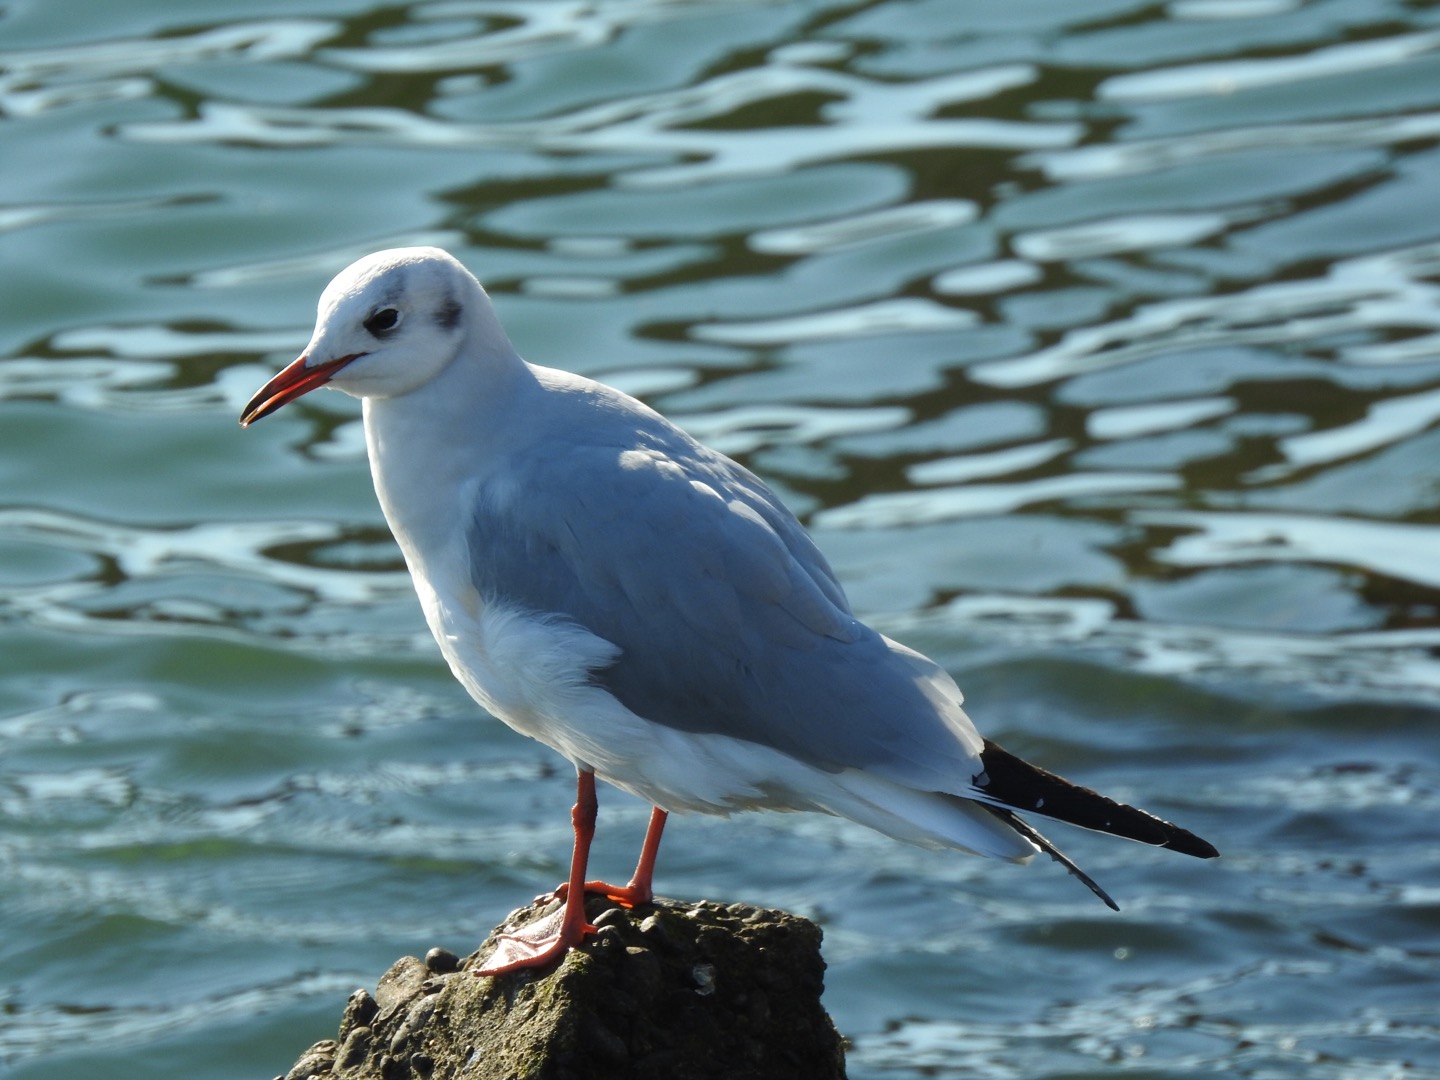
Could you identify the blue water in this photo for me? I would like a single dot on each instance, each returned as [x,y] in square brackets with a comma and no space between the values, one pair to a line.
[1098,344]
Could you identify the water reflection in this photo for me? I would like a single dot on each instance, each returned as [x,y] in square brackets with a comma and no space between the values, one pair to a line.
[1099,345]
[37,81]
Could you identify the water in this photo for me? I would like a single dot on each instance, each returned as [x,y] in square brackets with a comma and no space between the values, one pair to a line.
[1099,344]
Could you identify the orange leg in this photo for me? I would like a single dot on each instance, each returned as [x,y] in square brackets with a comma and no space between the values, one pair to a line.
[639,891]
[546,941]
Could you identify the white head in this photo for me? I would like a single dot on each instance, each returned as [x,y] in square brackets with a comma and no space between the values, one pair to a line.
[387,325]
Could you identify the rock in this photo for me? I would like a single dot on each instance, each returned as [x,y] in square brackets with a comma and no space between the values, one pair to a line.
[442,961]
[319,1060]
[665,992]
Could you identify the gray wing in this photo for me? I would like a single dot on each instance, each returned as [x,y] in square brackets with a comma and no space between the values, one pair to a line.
[727,616]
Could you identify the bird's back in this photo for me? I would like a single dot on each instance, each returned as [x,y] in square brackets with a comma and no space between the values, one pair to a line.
[726,615]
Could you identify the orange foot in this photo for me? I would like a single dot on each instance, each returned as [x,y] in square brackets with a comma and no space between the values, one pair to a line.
[627,896]
[545,941]
[540,944]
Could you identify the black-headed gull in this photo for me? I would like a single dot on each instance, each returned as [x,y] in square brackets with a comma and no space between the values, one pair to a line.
[602,582]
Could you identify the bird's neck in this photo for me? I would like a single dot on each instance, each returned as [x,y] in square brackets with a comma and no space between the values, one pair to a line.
[431,448]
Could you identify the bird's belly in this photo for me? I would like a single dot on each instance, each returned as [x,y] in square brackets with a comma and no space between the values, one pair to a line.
[531,672]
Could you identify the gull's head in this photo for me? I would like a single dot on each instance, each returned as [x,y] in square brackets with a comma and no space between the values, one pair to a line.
[387,325]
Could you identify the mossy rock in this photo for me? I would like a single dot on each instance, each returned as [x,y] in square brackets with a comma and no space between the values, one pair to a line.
[667,991]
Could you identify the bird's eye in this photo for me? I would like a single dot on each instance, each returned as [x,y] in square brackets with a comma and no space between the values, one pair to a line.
[383,321]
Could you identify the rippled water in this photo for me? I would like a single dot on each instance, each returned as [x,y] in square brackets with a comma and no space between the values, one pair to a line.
[1099,344]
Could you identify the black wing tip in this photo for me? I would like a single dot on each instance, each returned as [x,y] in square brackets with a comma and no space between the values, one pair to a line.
[1187,843]
[1029,832]
[1019,785]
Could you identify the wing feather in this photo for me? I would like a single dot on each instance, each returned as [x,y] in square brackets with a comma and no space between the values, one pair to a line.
[727,617]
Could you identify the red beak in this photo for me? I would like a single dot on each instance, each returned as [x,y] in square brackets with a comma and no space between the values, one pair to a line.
[292,382]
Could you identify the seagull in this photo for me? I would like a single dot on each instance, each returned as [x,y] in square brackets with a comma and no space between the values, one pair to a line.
[602,582]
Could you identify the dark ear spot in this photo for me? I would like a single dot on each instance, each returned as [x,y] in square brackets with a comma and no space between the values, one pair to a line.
[448,313]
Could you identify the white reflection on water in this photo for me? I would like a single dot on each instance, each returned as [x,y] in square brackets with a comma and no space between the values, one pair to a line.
[61,722]
[742,429]
[1229,9]
[316,264]
[1136,232]
[870,117]
[154,341]
[1180,1029]
[1154,154]
[144,552]
[964,468]
[1392,665]
[30,215]
[1364,293]
[1232,76]
[244,588]
[35,81]
[905,315]
[910,218]
[109,785]
[1384,666]
[1392,549]
[88,383]
[1129,421]
[67,1026]
[973,500]
[1387,422]
[484,38]
[985,278]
